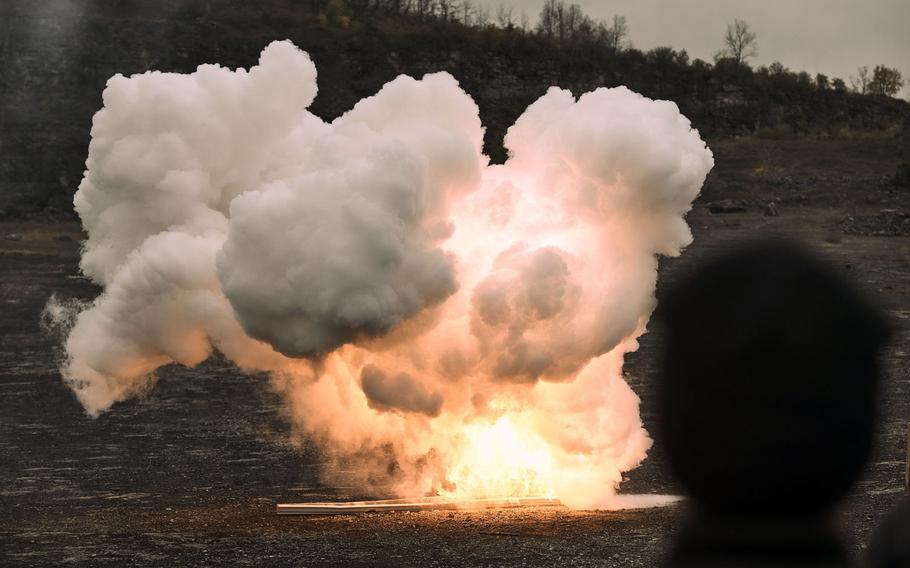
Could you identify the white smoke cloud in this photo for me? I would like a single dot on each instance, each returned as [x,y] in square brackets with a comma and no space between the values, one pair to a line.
[419,309]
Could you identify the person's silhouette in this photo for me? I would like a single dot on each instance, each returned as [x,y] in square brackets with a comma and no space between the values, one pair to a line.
[767,404]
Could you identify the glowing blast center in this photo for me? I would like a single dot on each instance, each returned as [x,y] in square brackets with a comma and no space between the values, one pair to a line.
[501,459]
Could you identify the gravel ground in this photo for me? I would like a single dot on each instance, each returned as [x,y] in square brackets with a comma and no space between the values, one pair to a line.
[189,474]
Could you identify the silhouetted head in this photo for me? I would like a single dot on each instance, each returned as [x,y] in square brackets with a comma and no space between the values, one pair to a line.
[768,389]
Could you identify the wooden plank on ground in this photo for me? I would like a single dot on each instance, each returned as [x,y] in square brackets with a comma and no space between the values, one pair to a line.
[418,504]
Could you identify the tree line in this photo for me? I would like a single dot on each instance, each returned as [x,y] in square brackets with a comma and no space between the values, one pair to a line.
[567,27]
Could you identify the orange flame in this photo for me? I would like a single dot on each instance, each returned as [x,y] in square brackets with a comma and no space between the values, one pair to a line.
[501,459]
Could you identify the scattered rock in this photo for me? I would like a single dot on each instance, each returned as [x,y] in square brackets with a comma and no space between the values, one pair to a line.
[771,209]
[728,206]
[885,223]
[13,237]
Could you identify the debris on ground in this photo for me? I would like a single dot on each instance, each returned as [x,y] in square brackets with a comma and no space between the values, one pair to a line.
[728,206]
[885,223]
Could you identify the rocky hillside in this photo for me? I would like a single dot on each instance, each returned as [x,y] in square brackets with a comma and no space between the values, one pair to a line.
[55,56]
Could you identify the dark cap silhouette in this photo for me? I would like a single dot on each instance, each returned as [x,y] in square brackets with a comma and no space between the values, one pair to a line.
[767,396]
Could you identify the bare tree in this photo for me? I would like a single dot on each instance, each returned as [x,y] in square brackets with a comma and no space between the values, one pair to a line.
[569,25]
[740,41]
[424,8]
[860,83]
[616,36]
[482,17]
[822,82]
[571,16]
[446,9]
[504,17]
[549,18]
[467,10]
[885,81]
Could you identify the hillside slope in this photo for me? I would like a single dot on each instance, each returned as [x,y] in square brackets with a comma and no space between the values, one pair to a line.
[56,55]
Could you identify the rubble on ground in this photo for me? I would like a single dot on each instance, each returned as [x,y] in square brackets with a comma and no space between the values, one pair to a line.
[885,223]
[727,206]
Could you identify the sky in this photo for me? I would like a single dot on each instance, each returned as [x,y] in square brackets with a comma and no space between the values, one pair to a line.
[833,37]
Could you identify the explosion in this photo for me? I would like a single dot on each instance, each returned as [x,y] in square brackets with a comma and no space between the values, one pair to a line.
[439,325]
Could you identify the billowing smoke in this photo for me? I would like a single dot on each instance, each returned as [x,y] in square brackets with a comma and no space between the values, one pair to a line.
[439,324]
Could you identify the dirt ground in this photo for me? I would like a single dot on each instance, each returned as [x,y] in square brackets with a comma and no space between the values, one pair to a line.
[190,473]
